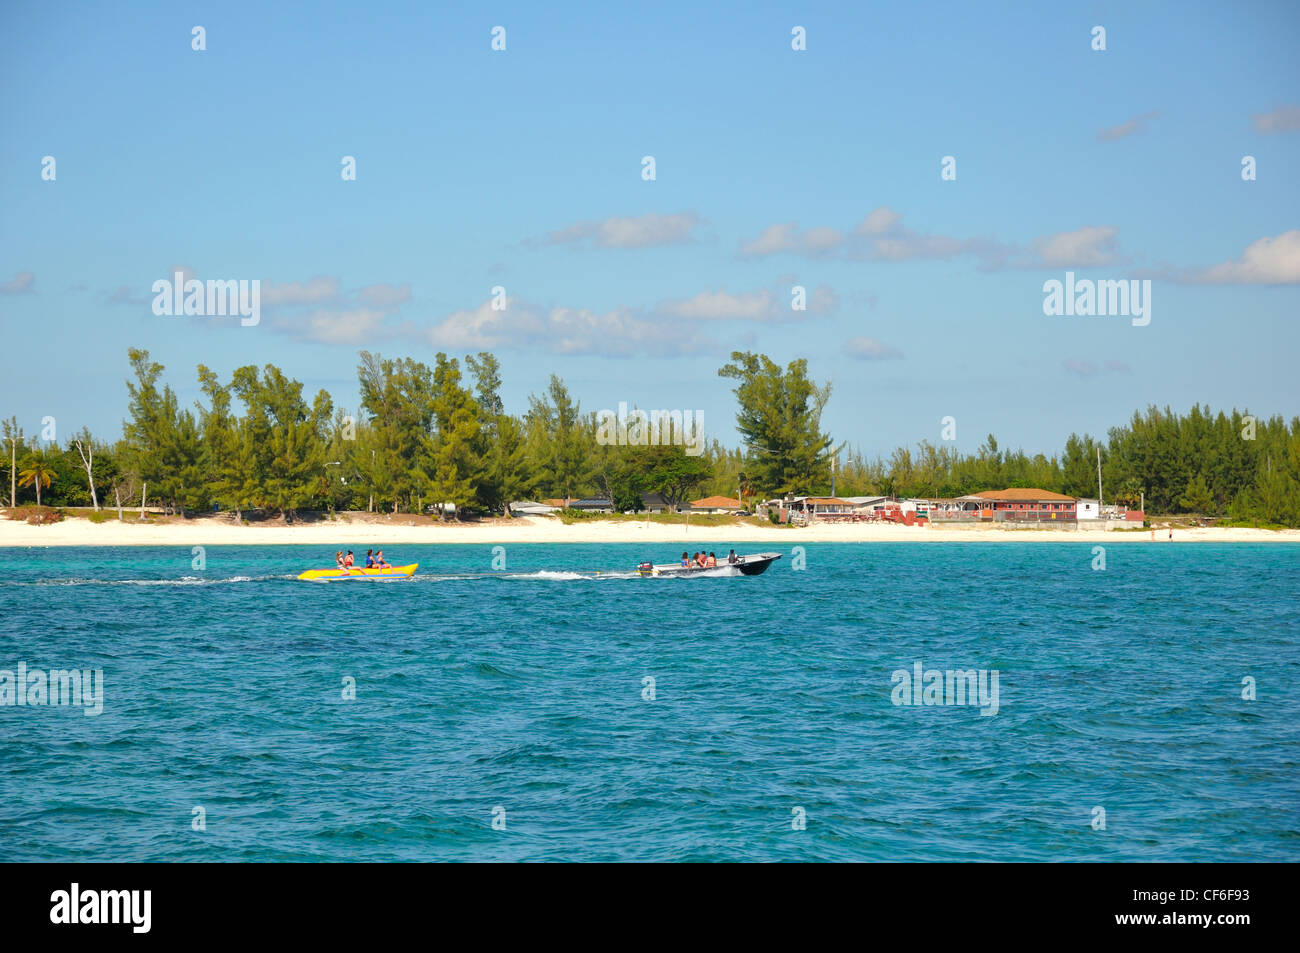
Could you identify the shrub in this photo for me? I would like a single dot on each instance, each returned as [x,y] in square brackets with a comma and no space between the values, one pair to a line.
[35,515]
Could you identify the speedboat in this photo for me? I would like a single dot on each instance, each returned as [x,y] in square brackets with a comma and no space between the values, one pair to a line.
[357,572]
[754,565]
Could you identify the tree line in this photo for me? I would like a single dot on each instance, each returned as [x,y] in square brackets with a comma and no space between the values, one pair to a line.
[428,435]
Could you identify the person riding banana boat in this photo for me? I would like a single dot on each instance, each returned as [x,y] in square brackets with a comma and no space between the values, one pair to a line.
[376,566]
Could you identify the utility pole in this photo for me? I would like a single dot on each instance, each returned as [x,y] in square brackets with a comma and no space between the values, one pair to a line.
[1100,499]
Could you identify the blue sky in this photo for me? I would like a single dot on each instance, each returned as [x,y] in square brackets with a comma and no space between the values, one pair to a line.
[774,168]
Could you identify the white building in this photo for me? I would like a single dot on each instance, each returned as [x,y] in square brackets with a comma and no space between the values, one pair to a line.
[1088,509]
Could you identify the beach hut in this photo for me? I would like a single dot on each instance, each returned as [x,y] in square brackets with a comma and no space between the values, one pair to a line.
[1030,504]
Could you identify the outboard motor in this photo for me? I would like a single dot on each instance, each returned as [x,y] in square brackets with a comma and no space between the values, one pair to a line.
[646,568]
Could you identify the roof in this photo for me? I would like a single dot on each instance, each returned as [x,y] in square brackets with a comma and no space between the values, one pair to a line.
[1023,494]
[822,500]
[717,503]
[860,500]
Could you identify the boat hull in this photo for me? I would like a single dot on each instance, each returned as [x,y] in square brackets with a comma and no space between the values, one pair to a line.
[394,572]
[754,565]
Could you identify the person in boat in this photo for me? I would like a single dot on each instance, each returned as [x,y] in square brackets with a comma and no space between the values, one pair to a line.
[686,560]
[711,562]
[338,559]
[701,560]
[370,559]
[380,562]
[732,559]
[348,560]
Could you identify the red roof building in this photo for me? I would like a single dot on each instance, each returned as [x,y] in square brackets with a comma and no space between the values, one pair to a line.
[1029,503]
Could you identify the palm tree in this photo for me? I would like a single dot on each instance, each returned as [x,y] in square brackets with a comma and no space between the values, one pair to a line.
[37,474]
[745,486]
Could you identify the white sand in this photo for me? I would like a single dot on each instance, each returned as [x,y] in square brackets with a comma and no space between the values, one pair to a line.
[391,532]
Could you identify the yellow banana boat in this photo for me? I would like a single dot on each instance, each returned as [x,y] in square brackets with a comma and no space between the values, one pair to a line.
[357,572]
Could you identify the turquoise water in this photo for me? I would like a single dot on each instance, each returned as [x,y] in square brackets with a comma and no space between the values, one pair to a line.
[523,691]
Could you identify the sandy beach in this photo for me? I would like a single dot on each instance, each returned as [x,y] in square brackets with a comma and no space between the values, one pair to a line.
[352,531]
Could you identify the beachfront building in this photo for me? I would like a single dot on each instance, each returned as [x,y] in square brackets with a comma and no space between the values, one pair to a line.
[1029,504]
[968,508]
[1088,509]
[865,505]
[655,503]
[716,504]
[804,509]
[532,508]
[594,504]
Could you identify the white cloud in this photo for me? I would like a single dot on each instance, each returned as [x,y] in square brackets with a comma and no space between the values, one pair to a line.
[672,327]
[641,231]
[386,297]
[314,291]
[754,306]
[774,238]
[1088,247]
[319,310]
[822,239]
[617,333]
[880,236]
[352,327]
[1127,128]
[878,222]
[870,349]
[1268,261]
[22,283]
[1282,119]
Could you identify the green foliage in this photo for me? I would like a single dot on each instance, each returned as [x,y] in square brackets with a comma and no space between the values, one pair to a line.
[779,417]
[427,435]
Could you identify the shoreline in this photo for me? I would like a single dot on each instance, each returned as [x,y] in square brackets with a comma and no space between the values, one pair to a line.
[384,531]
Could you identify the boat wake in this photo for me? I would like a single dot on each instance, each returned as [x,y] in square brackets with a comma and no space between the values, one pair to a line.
[182,581]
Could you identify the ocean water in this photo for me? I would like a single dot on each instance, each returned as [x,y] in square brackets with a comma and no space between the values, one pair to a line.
[520,696]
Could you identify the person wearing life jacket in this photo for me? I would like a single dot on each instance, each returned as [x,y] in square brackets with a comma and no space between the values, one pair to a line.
[686,561]
[700,560]
[370,559]
[711,562]
[380,562]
